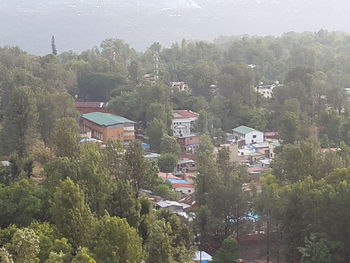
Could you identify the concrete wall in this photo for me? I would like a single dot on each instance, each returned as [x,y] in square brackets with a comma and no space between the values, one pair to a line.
[254,136]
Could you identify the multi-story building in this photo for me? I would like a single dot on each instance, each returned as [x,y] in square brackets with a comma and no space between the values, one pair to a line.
[182,122]
[106,126]
[248,135]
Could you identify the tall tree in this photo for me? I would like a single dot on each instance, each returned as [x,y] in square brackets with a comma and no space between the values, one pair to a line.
[65,137]
[5,256]
[94,177]
[19,128]
[25,246]
[83,256]
[139,171]
[159,243]
[169,144]
[155,131]
[167,162]
[228,252]
[70,213]
[113,240]
[53,46]
[125,205]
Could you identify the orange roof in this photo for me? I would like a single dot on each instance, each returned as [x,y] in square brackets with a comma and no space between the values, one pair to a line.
[168,176]
[184,114]
[178,185]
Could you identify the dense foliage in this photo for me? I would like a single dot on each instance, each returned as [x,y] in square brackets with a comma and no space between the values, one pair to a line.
[62,201]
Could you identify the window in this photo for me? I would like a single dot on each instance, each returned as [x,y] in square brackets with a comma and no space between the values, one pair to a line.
[254,136]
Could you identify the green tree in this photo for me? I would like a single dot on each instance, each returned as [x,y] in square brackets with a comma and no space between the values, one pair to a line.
[5,256]
[55,257]
[57,170]
[46,234]
[138,170]
[167,162]
[113,240]
[25,246]
[181,236]
[83,256]
[98,86]
[114,158]
[53,106]
[155,132]
[66,137]
[257,119]
[62,246]
[289,129]
[316,250]
[21,203]
[159,243]
[125,205]
[228,252]
[19,127]
[169,144]
[126,105]
[94,177]
[70,213]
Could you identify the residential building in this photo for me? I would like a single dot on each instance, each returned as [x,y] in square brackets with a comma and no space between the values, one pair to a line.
[179,185]
[105,126]
[263,148]
[179,86]
[152,156]
[248,155]
[188,143]
[232,148]
[185,189]
[182,122]
[91,106]
[172,206]
[186,165]
[273,145]
[272,135]
[267,90]
[248,135]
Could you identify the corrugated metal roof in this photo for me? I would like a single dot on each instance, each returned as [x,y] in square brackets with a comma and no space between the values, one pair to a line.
[184,114]
[243,129]
[105,119]
[178,181]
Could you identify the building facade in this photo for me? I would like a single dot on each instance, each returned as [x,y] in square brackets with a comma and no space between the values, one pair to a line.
[249,135]
[106,126]
[182,122]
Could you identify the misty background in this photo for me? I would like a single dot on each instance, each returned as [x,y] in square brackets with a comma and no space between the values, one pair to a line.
[81,24]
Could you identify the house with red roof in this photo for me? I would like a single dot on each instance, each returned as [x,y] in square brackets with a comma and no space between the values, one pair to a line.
[179,185]
[182,122]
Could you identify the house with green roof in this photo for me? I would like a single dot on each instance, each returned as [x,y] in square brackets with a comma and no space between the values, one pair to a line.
[106,126]
[247,135]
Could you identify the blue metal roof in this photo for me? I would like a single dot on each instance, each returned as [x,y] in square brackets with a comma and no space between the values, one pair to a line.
[178,181]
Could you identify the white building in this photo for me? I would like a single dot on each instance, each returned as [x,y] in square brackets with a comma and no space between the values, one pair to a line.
[267,90]
[183,122]
[249,135]
[180,86]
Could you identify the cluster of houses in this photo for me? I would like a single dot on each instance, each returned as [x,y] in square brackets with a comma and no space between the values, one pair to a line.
[247,146]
